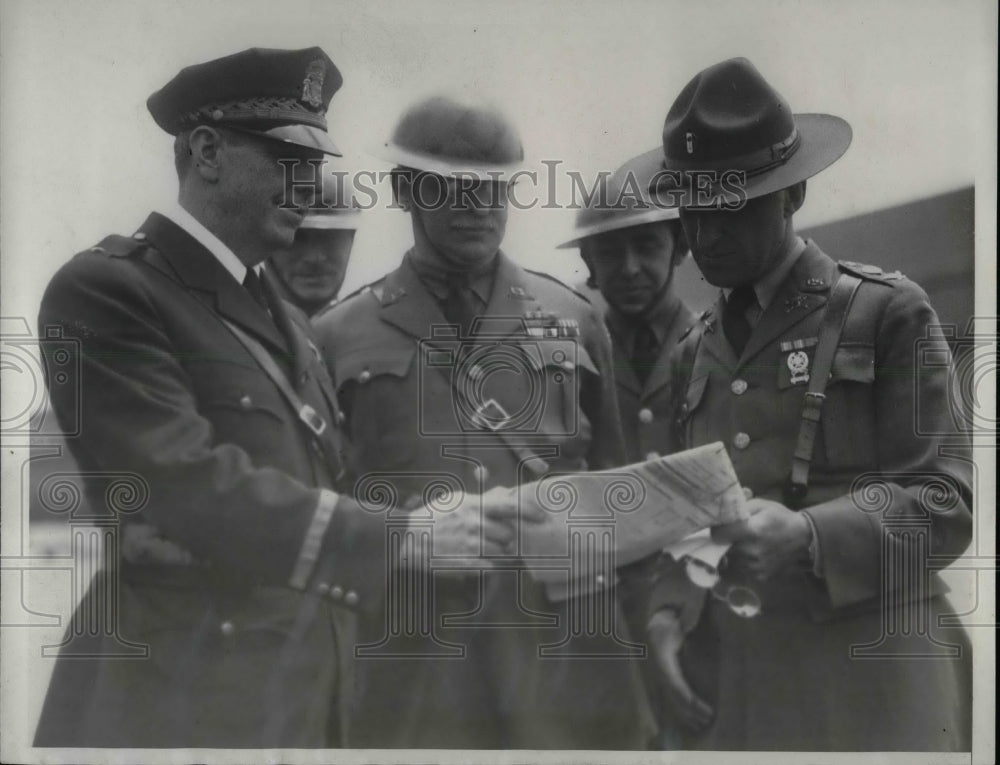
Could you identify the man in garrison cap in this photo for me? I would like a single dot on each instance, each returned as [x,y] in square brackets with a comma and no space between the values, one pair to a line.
[823,631]
[310,273]
[632,244]
[462,369]
[233,578]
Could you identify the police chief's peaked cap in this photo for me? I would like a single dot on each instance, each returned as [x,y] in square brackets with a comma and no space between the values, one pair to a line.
[278,94]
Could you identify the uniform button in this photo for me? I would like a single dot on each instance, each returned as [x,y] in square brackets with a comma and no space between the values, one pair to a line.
[568,365]
[645,416]
[739,387]
[684,408]
[652,456]
[481,473]
[336,592]
[245,401]
[322,588]
[218,114]
[365,376]
[351,598]
[741,441]
[227,628]
[139,236]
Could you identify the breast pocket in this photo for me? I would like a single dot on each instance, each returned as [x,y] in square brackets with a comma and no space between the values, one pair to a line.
[848,422]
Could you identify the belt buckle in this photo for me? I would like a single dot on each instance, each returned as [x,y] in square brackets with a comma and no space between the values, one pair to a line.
[311,418]
[482,415]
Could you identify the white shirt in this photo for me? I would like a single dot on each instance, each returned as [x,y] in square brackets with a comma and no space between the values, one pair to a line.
[208,240]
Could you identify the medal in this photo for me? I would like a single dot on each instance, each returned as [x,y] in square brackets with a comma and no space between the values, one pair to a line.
[798,365]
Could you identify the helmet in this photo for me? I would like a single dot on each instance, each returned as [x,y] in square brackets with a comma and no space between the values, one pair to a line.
[337,208]
[444,136]
[624,200]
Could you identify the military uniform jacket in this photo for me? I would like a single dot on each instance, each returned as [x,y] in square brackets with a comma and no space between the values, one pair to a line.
[235,515]
[645,408]
[541,356]
[888,470]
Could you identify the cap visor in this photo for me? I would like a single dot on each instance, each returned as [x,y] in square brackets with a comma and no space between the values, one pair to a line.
[305,136]
[482,172]
[330,221]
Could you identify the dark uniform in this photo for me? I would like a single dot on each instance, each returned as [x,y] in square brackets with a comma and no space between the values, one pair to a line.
[847,652]
[405,426]
[218,618]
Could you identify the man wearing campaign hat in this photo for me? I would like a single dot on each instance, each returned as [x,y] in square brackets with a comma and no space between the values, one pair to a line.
[461,369]
[237,561]
[309,274]
[813,637]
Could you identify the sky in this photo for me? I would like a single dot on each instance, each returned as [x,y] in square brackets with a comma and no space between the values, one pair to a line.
[587,83]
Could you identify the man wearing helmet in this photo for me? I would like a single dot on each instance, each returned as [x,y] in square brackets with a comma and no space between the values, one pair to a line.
[631,245]
[464,368]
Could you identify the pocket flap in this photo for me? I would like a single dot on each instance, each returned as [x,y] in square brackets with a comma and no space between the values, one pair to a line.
[854,362]
[367,363]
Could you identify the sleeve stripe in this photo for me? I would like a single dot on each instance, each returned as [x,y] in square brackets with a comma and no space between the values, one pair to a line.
[313,541]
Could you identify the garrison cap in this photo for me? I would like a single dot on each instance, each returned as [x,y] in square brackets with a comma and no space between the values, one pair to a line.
[624,200]
[447,137]
[278,94]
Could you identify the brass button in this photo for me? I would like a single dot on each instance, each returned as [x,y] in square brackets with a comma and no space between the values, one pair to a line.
[739,387]
[322,588]
[741,441]
[336,592]
[652,456]
[245,401]
[218,114]
[568,365]
[351,598]
[365,376]
[227,628]
[645,416]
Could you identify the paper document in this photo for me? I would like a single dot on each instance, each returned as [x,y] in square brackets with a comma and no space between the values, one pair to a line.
[632,511]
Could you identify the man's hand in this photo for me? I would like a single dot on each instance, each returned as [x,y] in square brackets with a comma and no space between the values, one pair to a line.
[772,538]
[666,638]
[482,525]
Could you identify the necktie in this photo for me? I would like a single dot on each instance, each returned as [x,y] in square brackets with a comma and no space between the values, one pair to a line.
[251,283]
[645,352]
[734,318]
[461,304]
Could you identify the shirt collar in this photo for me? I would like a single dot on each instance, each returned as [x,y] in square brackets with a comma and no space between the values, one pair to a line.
[659,319]
[767,286]
[208,240]
[435,279]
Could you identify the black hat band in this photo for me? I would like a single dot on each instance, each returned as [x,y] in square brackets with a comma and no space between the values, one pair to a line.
[756,162]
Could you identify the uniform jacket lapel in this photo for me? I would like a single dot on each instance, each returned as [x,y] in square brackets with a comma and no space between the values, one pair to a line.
[714,339]
[680,318]
[798,297]
[199,271]
[510,300]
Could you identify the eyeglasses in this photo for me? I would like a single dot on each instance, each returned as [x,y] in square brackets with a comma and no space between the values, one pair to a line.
[742,601]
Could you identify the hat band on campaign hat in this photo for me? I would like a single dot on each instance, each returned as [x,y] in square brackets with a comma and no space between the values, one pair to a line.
[752,164]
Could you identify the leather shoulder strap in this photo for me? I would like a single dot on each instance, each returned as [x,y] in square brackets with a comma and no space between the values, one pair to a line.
[834,318]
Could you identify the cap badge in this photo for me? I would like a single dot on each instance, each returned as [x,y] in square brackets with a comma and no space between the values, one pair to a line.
[312,85]
[689,138]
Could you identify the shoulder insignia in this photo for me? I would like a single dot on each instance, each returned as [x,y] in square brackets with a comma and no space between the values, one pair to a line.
[869,272]
[560,282]
[115,246]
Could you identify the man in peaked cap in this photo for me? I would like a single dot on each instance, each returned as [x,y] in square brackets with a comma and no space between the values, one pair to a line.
[310,273]
[806,369]
[462,368]
[234,578]
[631,244]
